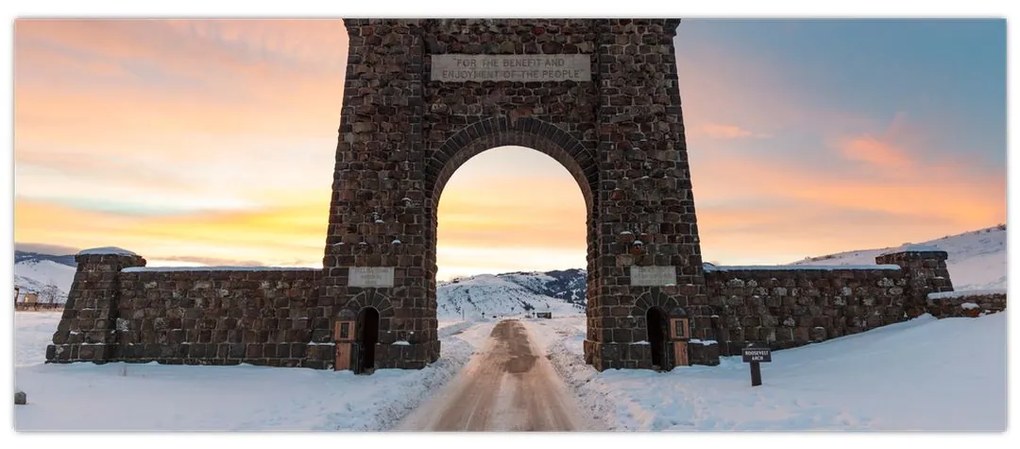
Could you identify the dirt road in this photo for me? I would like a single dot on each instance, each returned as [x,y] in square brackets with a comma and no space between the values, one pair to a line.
[509,386]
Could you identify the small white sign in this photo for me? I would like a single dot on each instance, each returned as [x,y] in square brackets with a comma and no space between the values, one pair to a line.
[371,277]
[652,276]
[521,68]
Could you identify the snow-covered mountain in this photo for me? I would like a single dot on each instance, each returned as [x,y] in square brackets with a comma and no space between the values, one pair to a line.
[510,294]
[977,259]
[34,271]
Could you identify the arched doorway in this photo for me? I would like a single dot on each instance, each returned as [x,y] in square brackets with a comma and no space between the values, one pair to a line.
[658,327]
[368,336]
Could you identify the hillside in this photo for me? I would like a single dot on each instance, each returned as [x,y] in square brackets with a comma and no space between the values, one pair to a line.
[33,272]
[512,294]
[977,259]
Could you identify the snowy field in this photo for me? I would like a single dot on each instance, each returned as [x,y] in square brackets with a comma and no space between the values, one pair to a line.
[122,396]
[924,374]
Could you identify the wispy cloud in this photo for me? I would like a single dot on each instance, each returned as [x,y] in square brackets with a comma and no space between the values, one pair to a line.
[723,131]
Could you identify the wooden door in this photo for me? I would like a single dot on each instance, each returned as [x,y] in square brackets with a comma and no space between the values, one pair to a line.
[343,357]
[680,353]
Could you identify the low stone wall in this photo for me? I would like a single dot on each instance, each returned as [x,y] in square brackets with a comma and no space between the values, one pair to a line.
[120,311]
[971,304]
[262,317]
[785,307]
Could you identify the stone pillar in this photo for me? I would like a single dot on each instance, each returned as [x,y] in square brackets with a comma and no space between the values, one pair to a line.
[646,215]
[926,272]
[87,329]
[377,212]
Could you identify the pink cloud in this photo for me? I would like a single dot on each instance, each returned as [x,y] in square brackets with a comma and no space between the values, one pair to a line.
[875,152]
[725,132]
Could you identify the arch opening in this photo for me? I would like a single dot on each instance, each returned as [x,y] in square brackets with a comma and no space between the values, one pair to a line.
[368,336]
[658,330]
[510,209]
[570,154]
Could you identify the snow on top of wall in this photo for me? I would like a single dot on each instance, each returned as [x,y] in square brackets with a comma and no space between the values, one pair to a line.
[106,250]
[965,293]
[912,247]
[711,267]
[218,268]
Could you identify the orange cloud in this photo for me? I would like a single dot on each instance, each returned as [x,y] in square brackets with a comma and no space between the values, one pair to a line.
[721,131]
[876,153]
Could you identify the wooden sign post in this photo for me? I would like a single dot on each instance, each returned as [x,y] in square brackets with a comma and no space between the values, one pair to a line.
[755,356]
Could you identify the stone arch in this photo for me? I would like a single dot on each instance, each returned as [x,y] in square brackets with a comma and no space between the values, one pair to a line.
[654,298]
[369,298]
[533,133]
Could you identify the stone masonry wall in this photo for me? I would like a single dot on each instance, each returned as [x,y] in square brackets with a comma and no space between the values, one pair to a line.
[222,317]
[785,307]
[118,311]
[86,329]
[966,304]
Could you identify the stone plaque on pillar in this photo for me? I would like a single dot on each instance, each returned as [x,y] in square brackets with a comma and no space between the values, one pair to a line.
[370,277]
[655,276]
[520,68]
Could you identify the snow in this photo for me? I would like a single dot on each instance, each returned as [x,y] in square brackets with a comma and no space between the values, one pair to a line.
[912,248]
[35,275]
[977,259]
[924,374]
[711,267]
[107,250]
[122,396]
[964,293]
[506,295]
[969,306]
[216,268]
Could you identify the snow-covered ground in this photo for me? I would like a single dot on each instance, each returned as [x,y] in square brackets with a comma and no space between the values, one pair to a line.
[924,374]
[121,396]
[35,275]
[977,259]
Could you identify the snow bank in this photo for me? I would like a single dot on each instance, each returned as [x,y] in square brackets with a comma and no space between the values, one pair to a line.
[106,250]
[121,396]
[924,374]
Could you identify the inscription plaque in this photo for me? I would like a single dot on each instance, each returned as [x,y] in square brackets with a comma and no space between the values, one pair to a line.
[370,277]
[521,68]
[652,276]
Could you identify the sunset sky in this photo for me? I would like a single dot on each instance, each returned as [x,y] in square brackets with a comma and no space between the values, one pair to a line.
[194,141]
